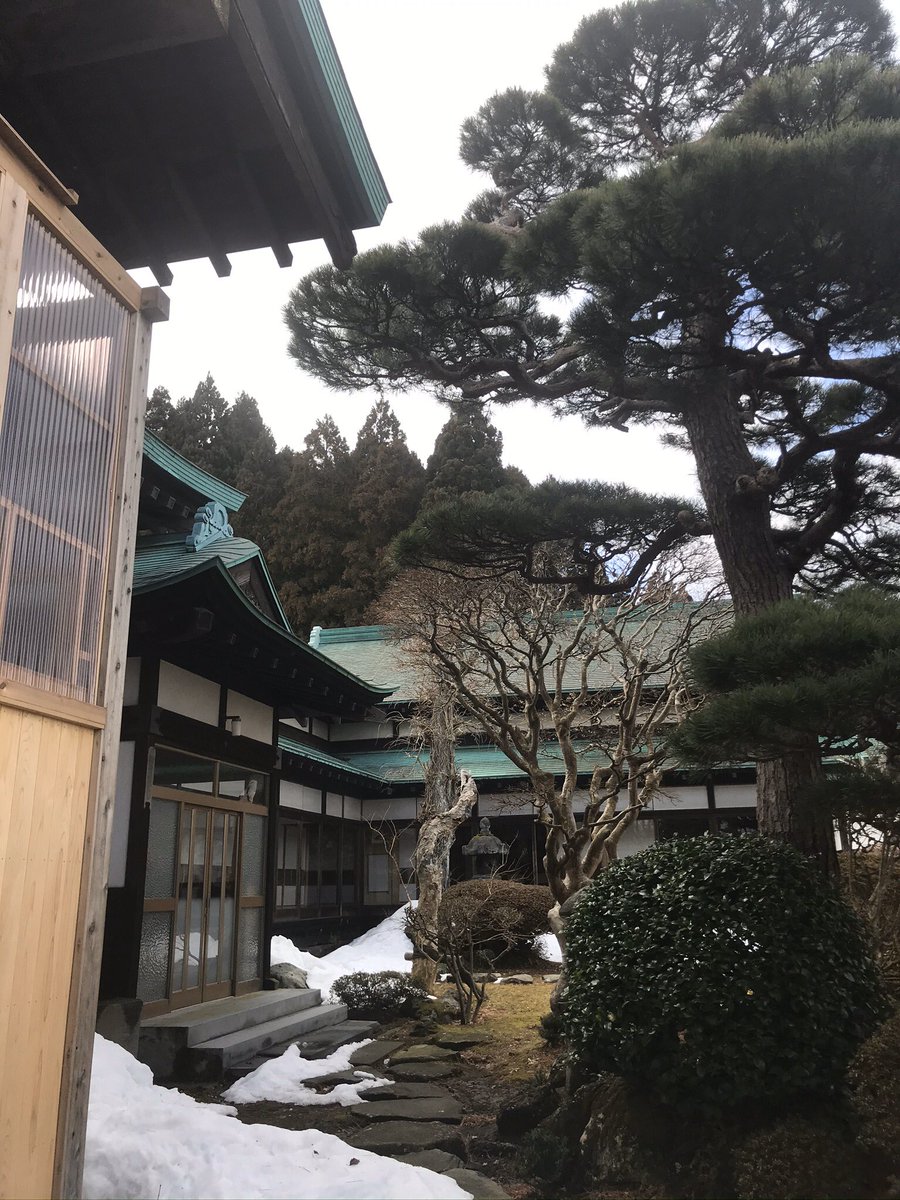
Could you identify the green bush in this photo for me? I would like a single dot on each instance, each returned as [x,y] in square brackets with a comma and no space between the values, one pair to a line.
[874,1078]
[379,994]
[717,971]
[799,1159]
[495,914]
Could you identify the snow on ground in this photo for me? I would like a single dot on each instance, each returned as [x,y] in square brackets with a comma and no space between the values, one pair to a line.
[283,1079]
[152,1143]
[380,949]
[548,947]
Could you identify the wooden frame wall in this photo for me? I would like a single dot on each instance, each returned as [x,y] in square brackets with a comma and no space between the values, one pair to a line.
[49,1161]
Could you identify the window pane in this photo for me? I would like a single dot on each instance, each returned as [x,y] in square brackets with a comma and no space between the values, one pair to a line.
[153,959]
[57,443]
[160,878]
[183,772]
[240,783]
[250,944]
[253,856]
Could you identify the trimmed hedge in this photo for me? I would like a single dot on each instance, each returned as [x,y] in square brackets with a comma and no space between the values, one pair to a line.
[717,971]
[376,994]
[496,914]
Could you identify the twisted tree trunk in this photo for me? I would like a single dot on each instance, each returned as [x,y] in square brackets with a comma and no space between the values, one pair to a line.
[737,500]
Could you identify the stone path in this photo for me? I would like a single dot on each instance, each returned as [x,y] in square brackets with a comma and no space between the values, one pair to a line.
[410,1117]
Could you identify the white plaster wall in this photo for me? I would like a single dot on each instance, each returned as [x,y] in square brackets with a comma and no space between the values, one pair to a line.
[118,848]
[295,724]
[504,804]
[256,718]
[190,695]
[389,809]
[334,805]
[735,795]
[637,837]
[358,730]
[296,795]
[680,798]
[320,729]
[132,681]
[352,808]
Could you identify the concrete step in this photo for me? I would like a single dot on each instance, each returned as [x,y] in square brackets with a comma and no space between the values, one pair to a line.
[210,1059]
[217,1018]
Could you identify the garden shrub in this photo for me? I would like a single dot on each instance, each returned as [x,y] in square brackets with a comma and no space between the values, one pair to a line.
[379,994]
[496,914]
[799,1159]
[874,1078]
[717,971]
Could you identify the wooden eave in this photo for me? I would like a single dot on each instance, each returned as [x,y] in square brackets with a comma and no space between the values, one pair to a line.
[192,128]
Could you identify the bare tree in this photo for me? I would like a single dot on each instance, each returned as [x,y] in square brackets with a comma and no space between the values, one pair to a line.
[594,689]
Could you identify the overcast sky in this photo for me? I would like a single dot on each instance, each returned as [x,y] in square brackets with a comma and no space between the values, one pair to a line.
[417,69]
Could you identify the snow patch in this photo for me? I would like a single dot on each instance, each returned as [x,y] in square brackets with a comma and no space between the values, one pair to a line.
[380,949]
[547,945]
[152,1143]
[283,1079]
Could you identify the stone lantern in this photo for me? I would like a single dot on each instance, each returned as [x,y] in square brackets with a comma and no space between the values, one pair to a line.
[485,854]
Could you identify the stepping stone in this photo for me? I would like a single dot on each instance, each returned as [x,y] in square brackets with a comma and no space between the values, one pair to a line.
[462,1039]
[407,1137]
[416,1072]
[336,1077]
[432,1160]
[407,1091]
[435,1109]
[516,979]
[422,1053]
[365,1056]
[479,1185]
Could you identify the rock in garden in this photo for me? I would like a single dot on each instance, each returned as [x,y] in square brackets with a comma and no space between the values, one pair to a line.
[406,1137]
[288,976]
[422,1053]
[551,978]
[432,1160]
[516,979]
[407,1091]
[374,1052]
[479,1185]
[461,1039]
[422,1072]
[435,1109]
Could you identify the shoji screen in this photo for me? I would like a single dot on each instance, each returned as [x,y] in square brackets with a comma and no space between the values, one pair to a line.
[57,455]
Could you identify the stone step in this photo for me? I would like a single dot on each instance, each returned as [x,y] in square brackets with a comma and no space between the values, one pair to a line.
[323,1041]
[433,1108]
[314,1045]
[375,1052]
[218,1054]
[217,1018]
[407,1137]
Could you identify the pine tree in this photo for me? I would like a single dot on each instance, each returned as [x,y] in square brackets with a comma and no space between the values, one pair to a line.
[159,413]
[467,457]
[720,284]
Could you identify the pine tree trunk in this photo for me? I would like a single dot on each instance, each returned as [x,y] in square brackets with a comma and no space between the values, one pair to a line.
[757,577]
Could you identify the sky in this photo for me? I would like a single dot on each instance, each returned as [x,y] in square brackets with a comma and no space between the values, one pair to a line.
[417,69]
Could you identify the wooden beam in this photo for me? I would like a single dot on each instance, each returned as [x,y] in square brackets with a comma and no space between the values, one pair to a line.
[36,165]
[51,35]
[250,34]
[69,1165]
[280,248]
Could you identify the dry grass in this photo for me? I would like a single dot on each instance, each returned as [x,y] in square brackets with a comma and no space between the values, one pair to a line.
[512,1012]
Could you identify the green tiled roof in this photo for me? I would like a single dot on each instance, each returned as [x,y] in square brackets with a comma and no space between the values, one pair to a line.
[313,754]
[374,192]
[190,475]
[483,762]
[372,653]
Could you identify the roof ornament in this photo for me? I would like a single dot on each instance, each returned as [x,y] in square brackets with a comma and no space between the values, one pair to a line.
[210,524]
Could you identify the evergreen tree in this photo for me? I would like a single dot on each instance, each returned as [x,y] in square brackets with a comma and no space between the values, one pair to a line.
[311,529]
[388,484]
[467,457]
[829,669]
[159,413]
[720,284]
